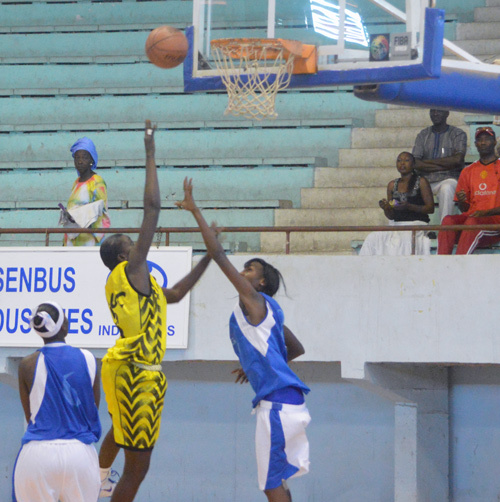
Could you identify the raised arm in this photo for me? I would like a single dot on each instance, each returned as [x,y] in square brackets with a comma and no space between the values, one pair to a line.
[252,301]
[180,289]
[137,268]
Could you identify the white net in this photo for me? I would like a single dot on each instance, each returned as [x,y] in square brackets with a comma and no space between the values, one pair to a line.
[253,71]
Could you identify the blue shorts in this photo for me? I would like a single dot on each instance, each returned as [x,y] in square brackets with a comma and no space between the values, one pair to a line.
[281,443]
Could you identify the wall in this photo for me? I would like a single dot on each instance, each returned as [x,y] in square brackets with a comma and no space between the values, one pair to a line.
[206,447]
[475,433]
[366,442]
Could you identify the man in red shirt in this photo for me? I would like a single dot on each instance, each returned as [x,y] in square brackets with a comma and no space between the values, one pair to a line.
[477,196]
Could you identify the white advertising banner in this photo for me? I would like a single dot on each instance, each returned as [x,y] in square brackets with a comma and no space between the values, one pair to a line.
[75,278]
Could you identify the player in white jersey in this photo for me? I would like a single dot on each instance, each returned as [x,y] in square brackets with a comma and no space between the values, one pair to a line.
[60,392]
[264,345]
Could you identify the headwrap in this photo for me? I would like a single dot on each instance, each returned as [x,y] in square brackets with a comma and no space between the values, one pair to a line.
[43,324]
[87,145]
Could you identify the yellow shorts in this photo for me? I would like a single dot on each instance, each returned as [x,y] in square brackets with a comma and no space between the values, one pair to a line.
[135,399]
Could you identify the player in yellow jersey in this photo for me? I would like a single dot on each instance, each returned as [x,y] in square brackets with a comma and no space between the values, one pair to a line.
[131,370]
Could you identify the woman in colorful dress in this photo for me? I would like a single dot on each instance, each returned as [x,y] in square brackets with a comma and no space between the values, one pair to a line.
[89,196]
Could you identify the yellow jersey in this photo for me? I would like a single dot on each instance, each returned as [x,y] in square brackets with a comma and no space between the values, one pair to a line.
[141,319]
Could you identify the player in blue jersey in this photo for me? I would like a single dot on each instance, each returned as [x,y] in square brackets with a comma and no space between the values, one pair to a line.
[264,345]
[60,391]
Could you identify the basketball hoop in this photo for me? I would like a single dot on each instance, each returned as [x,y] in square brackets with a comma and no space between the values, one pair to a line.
[253,71]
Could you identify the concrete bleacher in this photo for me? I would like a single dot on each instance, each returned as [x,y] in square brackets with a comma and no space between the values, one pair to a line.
[69,69]
[349,194]
[228,194]
[51,16]
[199,147]
[197,111]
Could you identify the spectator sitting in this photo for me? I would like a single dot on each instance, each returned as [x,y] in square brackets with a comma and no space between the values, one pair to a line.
[477,198]
[88,202]
[409,202]
[439,152]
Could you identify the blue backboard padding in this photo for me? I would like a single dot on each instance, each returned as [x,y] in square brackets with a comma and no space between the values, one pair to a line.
[429,68]
[461,91]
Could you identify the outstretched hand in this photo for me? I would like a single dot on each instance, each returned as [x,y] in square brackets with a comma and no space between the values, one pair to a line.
[188,203]
[149,138]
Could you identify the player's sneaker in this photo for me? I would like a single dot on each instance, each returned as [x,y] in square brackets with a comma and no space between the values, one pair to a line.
[108,484]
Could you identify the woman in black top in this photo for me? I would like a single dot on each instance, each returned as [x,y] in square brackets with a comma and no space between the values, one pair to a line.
[409,202]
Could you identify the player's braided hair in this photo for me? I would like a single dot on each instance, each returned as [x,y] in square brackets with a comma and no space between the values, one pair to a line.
[272,276]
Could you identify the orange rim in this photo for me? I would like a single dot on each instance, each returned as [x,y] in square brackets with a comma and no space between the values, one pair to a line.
[305,55]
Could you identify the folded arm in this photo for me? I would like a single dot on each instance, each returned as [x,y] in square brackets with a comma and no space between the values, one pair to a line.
[443,164]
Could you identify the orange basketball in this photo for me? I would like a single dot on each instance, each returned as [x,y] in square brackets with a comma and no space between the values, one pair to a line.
[166,47]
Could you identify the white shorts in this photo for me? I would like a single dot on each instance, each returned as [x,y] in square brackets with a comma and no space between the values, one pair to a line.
[281,443]
[64,470]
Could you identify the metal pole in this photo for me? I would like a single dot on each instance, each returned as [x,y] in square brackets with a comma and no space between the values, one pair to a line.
[341,39]
[271,19]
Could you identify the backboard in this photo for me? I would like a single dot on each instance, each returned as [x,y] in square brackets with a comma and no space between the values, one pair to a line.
[358,41]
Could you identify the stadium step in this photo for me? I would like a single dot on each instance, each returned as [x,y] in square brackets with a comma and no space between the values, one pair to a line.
[481,47]
[320,242]
[335,198]
[311,242]
[415,117]
[478,31]
[328,217]
[370,157]
[487,14]
[388,136]
[345,177]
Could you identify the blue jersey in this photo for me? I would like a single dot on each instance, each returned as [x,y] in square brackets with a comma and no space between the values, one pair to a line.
[262,351]
[61,398]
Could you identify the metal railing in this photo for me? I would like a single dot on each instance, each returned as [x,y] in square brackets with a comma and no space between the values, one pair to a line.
[287,230]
